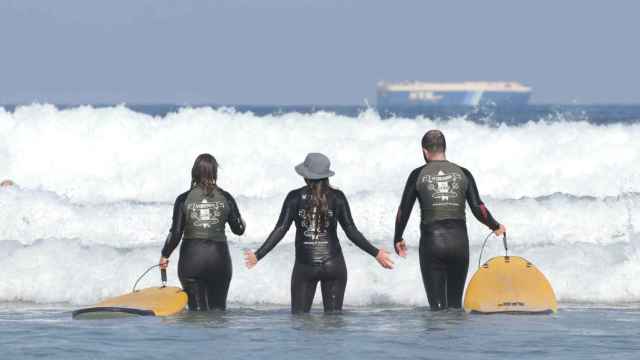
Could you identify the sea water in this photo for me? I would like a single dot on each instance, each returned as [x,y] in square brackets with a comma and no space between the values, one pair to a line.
[575,332]
[96,186]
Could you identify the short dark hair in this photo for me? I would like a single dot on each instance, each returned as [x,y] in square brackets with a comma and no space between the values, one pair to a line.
[433,141]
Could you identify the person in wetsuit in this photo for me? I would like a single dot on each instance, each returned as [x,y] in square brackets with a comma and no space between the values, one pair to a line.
[316,209]
[200,214]
[442,188]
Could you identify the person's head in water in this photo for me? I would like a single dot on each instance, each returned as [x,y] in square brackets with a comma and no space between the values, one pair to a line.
[205,173]
[434,145]
[316,172]
[7,183]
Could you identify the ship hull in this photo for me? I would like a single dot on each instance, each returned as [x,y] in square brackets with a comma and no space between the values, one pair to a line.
[452,98]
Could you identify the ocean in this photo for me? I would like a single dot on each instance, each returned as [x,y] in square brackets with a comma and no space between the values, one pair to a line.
[96,185]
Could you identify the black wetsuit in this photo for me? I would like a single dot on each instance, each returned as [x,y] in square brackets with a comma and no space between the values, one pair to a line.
[204,267]
[318,252]
[442,188]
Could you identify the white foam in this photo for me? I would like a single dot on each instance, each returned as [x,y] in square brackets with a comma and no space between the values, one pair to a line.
[113,154]
[65,271]
[97,186]
[54,250]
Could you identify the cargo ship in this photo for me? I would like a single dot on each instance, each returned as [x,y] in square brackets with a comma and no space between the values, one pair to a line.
[416,93]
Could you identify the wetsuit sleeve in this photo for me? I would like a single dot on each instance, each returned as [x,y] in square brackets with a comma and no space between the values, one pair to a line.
[282,226]
[234,220]
[409,196]
[349,227]
[177,226]
[478,208]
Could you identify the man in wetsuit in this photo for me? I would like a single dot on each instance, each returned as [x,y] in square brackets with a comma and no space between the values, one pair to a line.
[442,188]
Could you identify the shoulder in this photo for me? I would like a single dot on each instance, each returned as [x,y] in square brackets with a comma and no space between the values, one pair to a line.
[337,195]
[181,200]
[182,197]
[465,171]
[466,174]
[295,194]
[337,199]
[415,174]
[462,169]
[225,194]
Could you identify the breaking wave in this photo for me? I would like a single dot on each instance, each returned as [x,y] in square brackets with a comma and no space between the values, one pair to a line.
[96,186]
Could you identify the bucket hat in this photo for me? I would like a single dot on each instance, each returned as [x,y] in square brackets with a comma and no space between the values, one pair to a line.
[315,166]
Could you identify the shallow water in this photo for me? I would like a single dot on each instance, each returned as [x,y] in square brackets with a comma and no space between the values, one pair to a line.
[576,332]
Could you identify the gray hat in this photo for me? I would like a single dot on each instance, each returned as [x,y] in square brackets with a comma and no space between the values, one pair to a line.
[315,166]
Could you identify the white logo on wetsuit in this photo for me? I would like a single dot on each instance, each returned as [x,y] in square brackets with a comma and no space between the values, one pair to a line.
[206,213]
[443,186]
[311,225]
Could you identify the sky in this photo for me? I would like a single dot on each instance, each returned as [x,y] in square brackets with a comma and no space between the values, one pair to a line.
[295,52]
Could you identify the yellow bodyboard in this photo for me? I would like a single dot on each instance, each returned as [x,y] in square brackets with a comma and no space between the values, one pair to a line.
[158,301]
[509,284]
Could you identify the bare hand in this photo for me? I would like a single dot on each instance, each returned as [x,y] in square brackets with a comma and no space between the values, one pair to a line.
[384,260]
[250,259]
[500,231]
[401,248]
[164,262]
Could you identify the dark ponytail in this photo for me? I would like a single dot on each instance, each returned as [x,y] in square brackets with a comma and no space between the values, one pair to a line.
[318,205]
[205,173]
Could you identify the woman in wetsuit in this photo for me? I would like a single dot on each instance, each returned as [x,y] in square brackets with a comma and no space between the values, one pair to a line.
[317,209]
[200,214]
[442,188]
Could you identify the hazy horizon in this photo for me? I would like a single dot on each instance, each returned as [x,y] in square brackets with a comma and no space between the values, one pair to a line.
[302,52]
